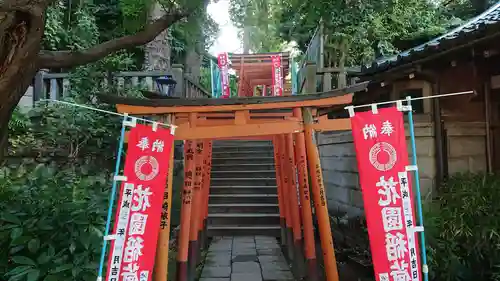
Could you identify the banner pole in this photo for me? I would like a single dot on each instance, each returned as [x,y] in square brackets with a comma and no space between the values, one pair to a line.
[352,107]
[212,84]
[425,269]
[111,200]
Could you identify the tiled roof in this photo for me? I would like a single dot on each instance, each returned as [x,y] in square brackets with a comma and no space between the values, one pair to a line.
[487,19]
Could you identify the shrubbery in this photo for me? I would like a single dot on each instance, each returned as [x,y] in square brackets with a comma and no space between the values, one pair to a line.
[463,229]
[54,186]
[52,223]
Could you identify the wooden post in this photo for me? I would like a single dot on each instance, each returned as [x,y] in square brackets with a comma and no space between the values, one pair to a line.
[208,183]
[305,199]
[201,222]
[194,247]
[310,83]
[320,205]
[241,85]
[286,197]
[187,196]
[207,152]
[294,208]
[277,168]
[162,252]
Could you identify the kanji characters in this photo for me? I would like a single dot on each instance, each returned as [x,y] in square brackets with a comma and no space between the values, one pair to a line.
[141,199]
[400,271]
[130,272]
[158,146]
[392,218]
[388,191]
[143,143]
[133,250]
[383,276]
[144,275]
[387,128]
[138,224]
[369,131]
[395,246]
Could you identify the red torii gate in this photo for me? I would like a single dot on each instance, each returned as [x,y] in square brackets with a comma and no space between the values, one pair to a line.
[256,70]
[290,122]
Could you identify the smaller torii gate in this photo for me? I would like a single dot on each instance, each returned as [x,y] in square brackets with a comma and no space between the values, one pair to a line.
[257,70]
[290,122]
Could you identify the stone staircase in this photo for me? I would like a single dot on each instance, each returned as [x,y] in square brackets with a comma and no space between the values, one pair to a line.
[243,196]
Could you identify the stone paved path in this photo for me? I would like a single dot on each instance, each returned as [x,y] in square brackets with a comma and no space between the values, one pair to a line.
[245,258]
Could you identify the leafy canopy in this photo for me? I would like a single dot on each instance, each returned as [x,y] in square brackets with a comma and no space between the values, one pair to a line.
[357,31]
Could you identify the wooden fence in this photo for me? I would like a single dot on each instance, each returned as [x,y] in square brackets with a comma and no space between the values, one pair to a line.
[57,85]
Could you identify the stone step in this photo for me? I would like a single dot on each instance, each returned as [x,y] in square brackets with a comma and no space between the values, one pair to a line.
[242,198]
[235,230]
[242,160]
[241,154]
[241,149]
[243,190]
[243,174]
[242,143]
[239,219]
[243,167]
[243,181]
[244,208]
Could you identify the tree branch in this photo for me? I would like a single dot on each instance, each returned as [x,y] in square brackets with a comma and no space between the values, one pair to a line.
[23,5]
[61,59]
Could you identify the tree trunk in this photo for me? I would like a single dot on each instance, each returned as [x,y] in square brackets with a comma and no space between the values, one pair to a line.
[246,28]
[342,75]
[14,95]
[246,39]
[22,24]
[194,56]
[20,34]
[193,63]
[158,51]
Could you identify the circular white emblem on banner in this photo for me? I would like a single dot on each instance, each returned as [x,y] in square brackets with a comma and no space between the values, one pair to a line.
[145,162]
[383,156]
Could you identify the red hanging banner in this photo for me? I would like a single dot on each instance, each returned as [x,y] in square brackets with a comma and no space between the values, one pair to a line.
[137,221]
[223,61]
[277,75]
[382,156]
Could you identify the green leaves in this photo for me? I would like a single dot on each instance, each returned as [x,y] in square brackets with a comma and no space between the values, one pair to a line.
[68,27]
[11,218]
[34,245]
[258,18]
[462,227]
[23,260]
[33,274]
[44,232]
[356,31]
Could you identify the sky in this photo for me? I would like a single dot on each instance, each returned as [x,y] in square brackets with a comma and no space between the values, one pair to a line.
[227,40]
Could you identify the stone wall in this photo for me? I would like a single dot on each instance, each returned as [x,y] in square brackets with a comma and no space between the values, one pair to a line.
[26,102]
[340,172]
[338,160]
[466,147]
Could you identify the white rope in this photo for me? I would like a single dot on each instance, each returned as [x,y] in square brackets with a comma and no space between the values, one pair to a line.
[110,112]
[350,107]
